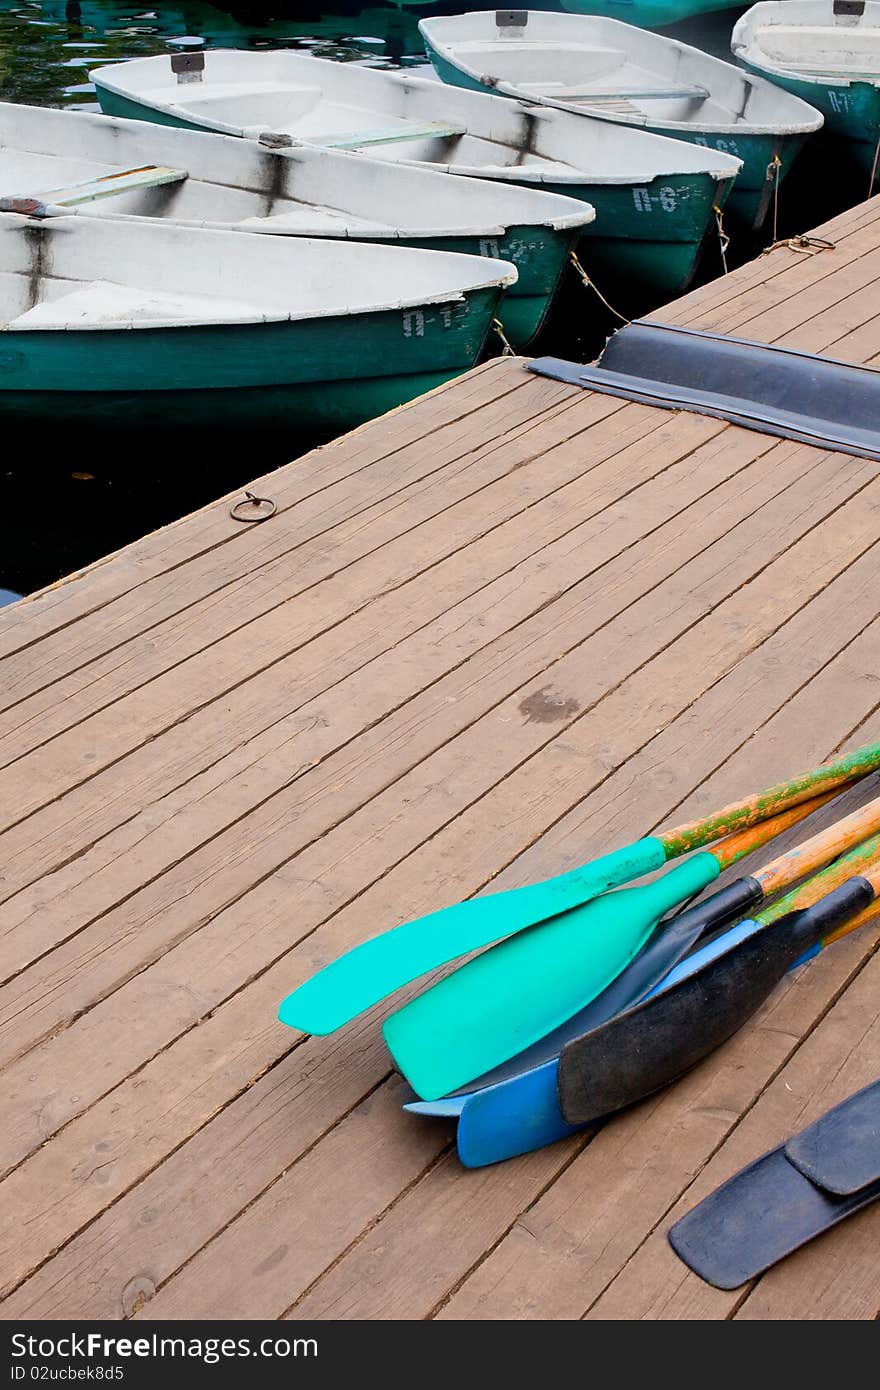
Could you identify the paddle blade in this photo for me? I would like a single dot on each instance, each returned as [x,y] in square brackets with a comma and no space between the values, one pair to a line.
[667,944]
[513,1118]
[502,1001]
[376,968]
[652,1044]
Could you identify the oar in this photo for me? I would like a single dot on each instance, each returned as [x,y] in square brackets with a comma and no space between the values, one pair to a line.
[675,936]
[518,1112]
[514,995]
[378,967]
[652,1044]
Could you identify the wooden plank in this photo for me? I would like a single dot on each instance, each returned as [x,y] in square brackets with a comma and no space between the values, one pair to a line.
[24,624]
[93,963]
[263,766]
[730,712]
[230,569]
[59,200]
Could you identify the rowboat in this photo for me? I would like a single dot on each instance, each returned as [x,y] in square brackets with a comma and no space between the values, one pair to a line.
[828,52]
[102,167]
[654,198]
[649,14]
[615,72]
[101,315]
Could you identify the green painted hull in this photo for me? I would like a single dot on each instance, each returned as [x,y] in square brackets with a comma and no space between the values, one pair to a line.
[540,254]
[308,374]
[752,194]
[852,116]
[649,237]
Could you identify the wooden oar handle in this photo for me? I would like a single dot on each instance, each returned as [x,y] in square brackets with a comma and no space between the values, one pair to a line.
[819,849]
[859,860]
[737,846]
[739,815]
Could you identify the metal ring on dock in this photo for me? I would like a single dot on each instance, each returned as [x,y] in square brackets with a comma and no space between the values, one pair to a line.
[252,508]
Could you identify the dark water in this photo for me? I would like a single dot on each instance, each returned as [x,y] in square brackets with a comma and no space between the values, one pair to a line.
[65,501]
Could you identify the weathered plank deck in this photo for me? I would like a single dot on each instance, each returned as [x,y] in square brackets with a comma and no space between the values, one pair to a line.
[484,638]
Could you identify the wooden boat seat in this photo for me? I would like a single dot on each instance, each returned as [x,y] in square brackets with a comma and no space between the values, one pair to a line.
[360,139]
[101,302]
[822,50]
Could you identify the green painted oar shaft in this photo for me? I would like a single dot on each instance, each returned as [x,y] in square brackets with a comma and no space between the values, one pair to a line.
[759,807]
[854,861]
[503,1001]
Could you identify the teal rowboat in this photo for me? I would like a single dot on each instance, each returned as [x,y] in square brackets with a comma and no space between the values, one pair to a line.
[830,56]
[105,319]
[654,198]
[298,192]
[615,72]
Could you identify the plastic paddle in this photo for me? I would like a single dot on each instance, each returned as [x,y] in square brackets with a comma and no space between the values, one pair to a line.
[521,1112]
[787,1197]
[652,1044]
[361,977]
[674,937]
[514,995]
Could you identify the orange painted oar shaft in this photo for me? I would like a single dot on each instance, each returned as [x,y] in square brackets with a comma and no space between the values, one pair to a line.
[819,849]
[860,859]
[737,846]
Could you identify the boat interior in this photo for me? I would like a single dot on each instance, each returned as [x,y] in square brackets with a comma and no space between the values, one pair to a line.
[821,50]
[67,273]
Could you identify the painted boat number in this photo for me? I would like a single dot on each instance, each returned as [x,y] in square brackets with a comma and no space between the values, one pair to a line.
[666,199]
[839,102]
[415,320]
[725,146]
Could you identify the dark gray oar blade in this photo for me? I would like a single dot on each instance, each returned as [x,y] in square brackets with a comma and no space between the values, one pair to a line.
[669,944]
[787,1197]
[650,1045]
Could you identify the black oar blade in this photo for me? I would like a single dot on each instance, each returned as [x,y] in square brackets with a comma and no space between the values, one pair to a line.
[652,1044]
[787,1197]
[668,944]
[757,1218]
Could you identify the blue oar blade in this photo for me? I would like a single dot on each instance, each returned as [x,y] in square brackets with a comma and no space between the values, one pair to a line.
[448,1108]
[513,1118]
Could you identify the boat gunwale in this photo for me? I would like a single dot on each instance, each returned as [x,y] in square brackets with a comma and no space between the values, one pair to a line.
[730,128]
[724,169]
[502,278]
[580,215]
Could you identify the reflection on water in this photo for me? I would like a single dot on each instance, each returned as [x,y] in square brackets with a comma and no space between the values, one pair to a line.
[67,500]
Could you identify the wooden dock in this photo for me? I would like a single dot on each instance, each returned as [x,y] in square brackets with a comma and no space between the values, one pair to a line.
[484,638]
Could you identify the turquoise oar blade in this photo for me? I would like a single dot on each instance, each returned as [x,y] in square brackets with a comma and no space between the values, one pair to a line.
[363,976]
[504,1000]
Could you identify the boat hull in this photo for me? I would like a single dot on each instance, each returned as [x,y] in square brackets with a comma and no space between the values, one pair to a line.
[301,374]
[751,197]
[540,253]
[851,111]
[651,236]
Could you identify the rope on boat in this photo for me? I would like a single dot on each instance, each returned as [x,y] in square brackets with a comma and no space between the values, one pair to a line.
[804,245]
[506,349]
[723,238]
[872,180]
[773,169]
[591,285]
